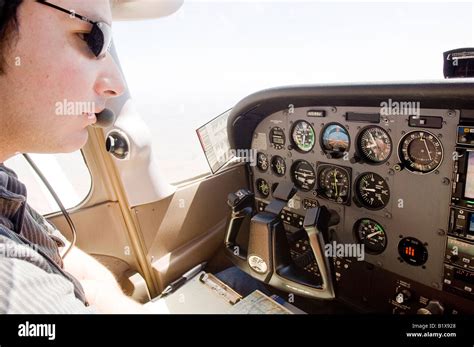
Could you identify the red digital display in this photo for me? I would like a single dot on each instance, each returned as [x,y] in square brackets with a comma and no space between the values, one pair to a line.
[413,251]
[410,251]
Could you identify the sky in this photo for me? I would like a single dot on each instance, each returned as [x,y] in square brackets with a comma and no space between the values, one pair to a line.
[185,69]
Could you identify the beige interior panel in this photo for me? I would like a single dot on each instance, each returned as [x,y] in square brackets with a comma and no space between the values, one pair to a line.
[100,231]
[188,227]
[175,263]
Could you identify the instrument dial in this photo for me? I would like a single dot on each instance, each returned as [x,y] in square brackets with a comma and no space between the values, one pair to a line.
[371,234]
[278,165]
[420,152]
[303,136]
[277,137]
[374,144]
[334,183]
[372,191]
[335,140]
[262,161]
[303,175]
[262,187]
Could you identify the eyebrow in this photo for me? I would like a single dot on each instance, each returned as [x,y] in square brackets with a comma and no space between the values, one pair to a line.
[73,13]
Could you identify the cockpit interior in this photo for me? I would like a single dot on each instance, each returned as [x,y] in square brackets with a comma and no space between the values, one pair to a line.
[316,198]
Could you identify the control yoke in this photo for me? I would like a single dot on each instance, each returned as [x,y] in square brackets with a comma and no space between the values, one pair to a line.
[267,255]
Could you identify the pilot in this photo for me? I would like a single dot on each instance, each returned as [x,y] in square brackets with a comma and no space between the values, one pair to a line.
[46,56]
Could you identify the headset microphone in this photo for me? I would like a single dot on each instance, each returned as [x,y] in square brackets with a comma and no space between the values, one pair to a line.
[105,119]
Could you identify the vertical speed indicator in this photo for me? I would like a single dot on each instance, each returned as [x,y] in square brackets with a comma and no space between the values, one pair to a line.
[372,191]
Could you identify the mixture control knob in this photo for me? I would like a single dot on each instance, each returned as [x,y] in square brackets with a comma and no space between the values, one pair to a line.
[403,296]
[433,307]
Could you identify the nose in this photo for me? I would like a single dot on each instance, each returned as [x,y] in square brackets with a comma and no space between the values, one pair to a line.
[110,83]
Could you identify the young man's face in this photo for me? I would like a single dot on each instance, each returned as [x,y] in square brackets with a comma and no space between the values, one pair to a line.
[50,73]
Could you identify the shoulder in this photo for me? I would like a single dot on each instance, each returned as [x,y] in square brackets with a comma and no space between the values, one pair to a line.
[12,248]
[26,285]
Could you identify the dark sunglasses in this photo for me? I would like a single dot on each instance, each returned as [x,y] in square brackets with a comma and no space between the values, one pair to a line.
[98,39]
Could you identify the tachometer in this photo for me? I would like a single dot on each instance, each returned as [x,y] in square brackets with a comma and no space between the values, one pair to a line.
[303,175]
[372,191]
[303,136]
[371,234]
[420,152]
[334,183]
[374,144]
[278,165]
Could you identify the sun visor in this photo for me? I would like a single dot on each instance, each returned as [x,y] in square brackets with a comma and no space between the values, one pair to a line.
[123,10]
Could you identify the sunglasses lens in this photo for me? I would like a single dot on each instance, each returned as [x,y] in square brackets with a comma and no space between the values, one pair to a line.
[99,39]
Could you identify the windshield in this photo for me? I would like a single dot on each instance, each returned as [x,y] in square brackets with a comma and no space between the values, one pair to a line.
[186,69]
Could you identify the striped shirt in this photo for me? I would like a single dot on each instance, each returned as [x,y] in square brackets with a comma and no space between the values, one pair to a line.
[32,279]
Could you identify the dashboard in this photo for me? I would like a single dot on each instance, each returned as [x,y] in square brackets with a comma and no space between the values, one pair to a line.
[400,177]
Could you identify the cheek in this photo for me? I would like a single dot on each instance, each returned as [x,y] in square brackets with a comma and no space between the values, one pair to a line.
[75,79]
[69,81]
[51,78]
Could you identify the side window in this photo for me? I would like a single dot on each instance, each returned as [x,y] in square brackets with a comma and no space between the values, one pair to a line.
[68,174]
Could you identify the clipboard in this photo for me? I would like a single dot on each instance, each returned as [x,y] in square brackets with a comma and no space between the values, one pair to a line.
[206,294]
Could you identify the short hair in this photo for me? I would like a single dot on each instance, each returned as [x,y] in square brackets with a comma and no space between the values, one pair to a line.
[8,27]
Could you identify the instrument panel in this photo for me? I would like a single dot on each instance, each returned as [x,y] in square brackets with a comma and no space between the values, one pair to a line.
[388,177]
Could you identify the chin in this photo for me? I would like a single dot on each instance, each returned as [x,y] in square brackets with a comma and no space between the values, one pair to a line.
[76,142]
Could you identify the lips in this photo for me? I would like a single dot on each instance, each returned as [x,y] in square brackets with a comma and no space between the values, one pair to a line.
[91,118]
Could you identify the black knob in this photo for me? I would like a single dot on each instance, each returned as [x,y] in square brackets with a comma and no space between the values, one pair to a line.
[240,199]
[433,307]
[355,159]
[398,167]
[454,258]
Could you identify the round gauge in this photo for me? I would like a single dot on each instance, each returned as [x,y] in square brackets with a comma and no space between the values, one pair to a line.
[278,165]
[335,139]
[262,187]
[303,136]
[262,161]
[371,234]
[374,144]
[372,191]
[412,251]
[420,152]
[334,183]
[303,175]
[277,137]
